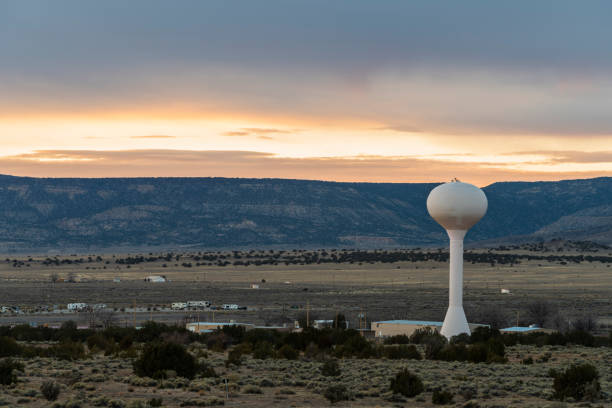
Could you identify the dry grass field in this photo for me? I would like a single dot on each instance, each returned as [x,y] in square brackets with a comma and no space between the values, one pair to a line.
[109,381]
[415,290]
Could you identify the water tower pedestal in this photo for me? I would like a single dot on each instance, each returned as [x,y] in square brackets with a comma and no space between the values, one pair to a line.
[455,321]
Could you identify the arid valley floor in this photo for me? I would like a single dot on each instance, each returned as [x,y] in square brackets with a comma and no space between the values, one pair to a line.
[379,290]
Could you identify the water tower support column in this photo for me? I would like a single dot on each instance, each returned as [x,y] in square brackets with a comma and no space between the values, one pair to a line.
[455,321]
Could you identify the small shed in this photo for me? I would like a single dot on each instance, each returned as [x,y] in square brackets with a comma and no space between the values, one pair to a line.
[156,279]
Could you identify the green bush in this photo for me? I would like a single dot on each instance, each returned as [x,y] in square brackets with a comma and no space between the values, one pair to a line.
[397,339]
[7,368]
[234,357]
[263,350]
[288,352]
[155,402]
[50,390]
[454,352]
[337,393]
[578,382]
[331,368]
[442,397]
[67,350]
[206,371]
[158,357]
[420,335]
[402,352]
[434,344]
[407,384]
[9,347]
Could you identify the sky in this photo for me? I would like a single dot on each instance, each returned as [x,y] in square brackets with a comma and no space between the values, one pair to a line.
[345,90]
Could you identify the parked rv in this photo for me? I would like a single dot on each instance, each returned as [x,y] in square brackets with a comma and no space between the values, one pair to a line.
[179,306]
[198,304]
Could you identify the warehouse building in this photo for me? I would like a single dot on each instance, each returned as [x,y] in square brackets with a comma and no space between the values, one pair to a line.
[407,327]
[207,327]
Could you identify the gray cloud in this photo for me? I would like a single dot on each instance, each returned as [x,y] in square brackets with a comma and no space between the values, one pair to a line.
[444,67]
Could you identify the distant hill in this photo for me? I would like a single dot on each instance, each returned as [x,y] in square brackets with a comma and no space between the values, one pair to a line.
[37,214]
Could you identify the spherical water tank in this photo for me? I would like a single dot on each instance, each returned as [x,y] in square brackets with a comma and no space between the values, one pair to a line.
[457,205]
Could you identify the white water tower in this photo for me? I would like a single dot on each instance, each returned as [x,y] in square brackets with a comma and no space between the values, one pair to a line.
[457,207]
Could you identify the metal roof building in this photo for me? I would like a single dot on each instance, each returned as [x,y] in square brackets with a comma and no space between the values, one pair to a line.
[387,328]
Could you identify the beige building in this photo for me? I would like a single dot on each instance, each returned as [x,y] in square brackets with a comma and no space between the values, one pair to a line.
[207,327]
[395,327]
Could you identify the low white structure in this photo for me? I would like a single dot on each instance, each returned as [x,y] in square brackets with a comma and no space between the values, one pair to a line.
[230,307]
[254,286]
[207,327]
[532,328]
[321,324]
[506,291]
[156,279]
[76,307]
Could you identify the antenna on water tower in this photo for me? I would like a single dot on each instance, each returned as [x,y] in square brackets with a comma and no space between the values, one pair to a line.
[456,206]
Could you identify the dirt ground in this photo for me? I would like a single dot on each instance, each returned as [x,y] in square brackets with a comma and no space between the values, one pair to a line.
[411,290]
[407,290]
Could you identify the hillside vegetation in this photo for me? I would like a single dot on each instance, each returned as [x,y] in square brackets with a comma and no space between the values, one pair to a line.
[52,214]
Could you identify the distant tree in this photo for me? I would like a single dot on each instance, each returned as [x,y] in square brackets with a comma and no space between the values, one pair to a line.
[539,312]
[340,321]
[302,319]
[559,322]
[54,277]
[586,323]
[107,318]
[492,315]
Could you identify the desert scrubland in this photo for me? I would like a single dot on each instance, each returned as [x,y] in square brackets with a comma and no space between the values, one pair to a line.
[567,292]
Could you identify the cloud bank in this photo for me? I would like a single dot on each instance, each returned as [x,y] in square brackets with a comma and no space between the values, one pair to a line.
[189,163]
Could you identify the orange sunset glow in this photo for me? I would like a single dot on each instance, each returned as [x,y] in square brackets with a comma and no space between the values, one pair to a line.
[211,91]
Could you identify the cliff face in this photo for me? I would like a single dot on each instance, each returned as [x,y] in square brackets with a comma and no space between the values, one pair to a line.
[40,214]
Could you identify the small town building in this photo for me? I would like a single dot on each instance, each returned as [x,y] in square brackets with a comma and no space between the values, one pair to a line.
[207,327]
[532,328]
[156,279]
[76,306]
[321,324]
[407,327]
